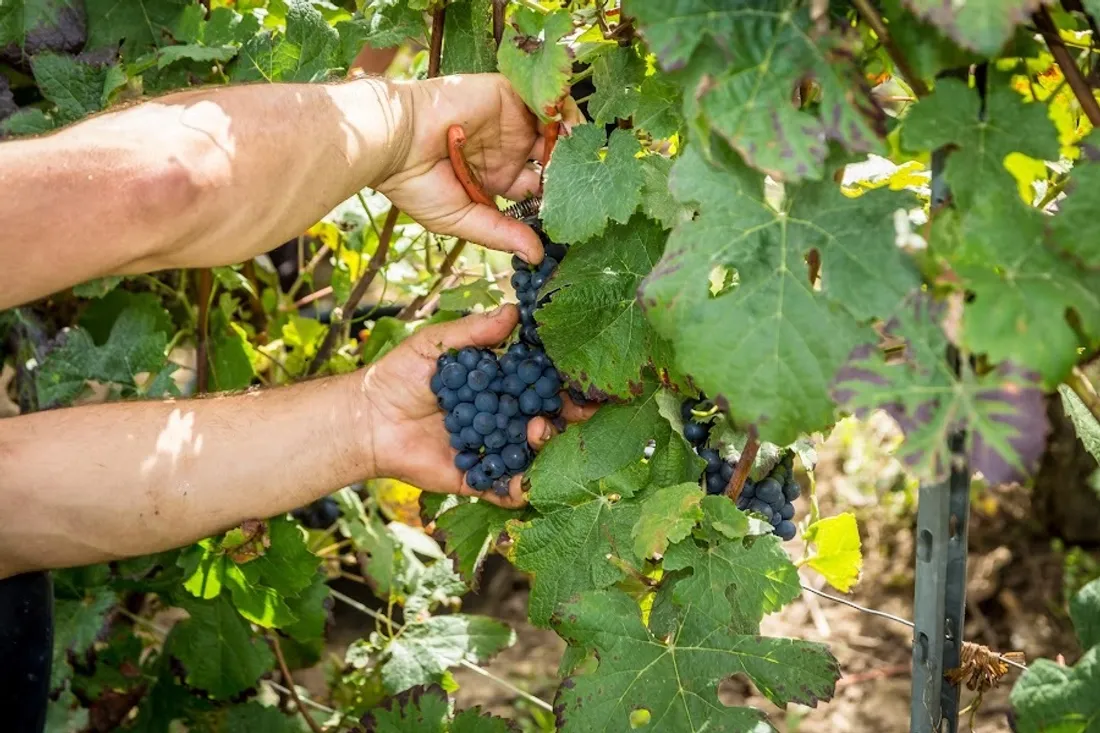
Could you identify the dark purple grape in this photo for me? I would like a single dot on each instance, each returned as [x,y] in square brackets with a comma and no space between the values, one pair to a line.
[450,421]
[529,371]
[685,410]
[466,460]
[492,465]
[465,394]
[748,489]
[476,479]
[454,375]
[472,438]
[502,421]
[546,386]
[436,384]
[769,491]
[469,357]
[786,530]
[538,280]
[464,413]
[517,430]
[519,351]
[486,401]
[447,399]
[761,508]
[714,461]
[515,456]
[490,367]
[530,403]
[526,313]
[791,490]
[548,265]
[518,263]
[444,359]
[530,334]
[695,432]
[478,380]
[527,296]
[497,439]
[457,442]
[497,385]
[513,385]
[508,363]
[500,485]
[552,405]
[715,484]
[726,471]
[485,422]
[508,405]
[787,512]
[520,279]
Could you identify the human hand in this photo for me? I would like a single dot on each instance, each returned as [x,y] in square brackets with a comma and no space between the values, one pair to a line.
[406,433]
[502,137]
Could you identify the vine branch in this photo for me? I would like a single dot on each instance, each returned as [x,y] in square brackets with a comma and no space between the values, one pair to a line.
[867,10]
[1062,57]
[290,683]
[744,465]
[435,50]
[498,20]
[339,318]
[445,269]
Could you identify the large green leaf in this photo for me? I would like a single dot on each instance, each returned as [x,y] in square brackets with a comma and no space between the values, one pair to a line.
[533,60]
[980,25]
[77,623]
[771,344]
[468,46]
[593,327]
[767,49]
[426,710]
[28,27]
[308,51]
[952,116]
[469,531]
[140,25]
[77,88]
[218,650]
[674,679]
[424,651]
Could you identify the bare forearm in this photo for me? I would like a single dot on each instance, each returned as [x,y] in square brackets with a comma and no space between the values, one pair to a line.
[192,179]
[92,484]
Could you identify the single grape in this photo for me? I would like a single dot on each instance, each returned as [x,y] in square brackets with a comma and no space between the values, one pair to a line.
[529,402]
[547,386]
[715,484]
[519,351]
[743,502]
[500,485]
[465,413]
[328,510]
[685,410]
[519,263]
[554,250]
[486,402]
[502,421]
[714,461]
[695,432]
[552,405]
[497,385]
[465,394]
[517,430]
[520,279]
[526,313]
[444,359]
[530,334]
[466,460]
[492,465]
[454,375]
[497,439]
[791,489]
[748,489]
[515,456]
[527,296]
[786,530]
[472,438]
[787,511]
[490,367]
[485,422]
[457,442]
[450,421]
[508,363]
[476,479]
[538,280]
[513,385]
[776,519]
[478,380]
[436,384]
[447,399]
[548,265]
[761,508]
[469,357]
[726,471]
[508,405]
[529,371]
[769,490]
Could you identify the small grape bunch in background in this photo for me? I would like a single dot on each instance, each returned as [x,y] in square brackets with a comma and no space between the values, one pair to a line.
[488,401]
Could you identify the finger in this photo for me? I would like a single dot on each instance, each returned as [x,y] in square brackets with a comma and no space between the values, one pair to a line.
[539,432]
[572,412]
[480,329]
[528,183]
[489,227]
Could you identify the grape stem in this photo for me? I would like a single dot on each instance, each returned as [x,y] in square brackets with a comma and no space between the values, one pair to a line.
[744,465]
[290,683]
[867,10]
[1070,71]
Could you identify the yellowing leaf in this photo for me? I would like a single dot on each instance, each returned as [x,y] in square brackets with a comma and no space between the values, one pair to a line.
[398,501]
[667,516]
[836,553]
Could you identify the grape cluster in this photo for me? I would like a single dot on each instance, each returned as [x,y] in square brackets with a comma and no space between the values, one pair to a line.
[488,401]
[772,497]
[527,280]
[318,515]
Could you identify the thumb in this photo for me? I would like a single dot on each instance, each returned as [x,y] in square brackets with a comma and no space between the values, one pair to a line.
[480,329]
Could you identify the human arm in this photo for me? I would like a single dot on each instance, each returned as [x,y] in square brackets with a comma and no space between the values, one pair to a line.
[215,176]
[103,482]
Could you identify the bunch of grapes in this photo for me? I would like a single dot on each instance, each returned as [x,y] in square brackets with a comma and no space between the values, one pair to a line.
[318,515]
[527,280]
[772,497]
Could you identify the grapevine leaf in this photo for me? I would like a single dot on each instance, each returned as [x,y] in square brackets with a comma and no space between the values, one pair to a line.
[30,121]
[769,49]
[774,366]
[230,355]
[533,60]
[287,565]
[468,46]
[387,27]
[658,110]
[311,609]
[950,116]
[434,585]
[424,651]
[134,346]
[372,538]
[836,553]
[259,604]
[195,52]
[33,26]
[252,717]
[1084,423]
[724,518]
[658,202]
[675,679]
[979,25]
[308,51]
[228,27]
[737,583]
[99,316]
[203,567]
[585,188]
[465,297]
[472,720]
[1053,697]
[140,25]
[1023,292]
[419,710]
[469,532]
[668,515]
[65,713]
[97,288]
[929,52]
[617,77]
[1003,411]
[77,623]
[1075,228]
[594,328]
[75,87]
[216,647]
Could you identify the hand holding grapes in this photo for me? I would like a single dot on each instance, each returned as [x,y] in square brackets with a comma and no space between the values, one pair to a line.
[408,440]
